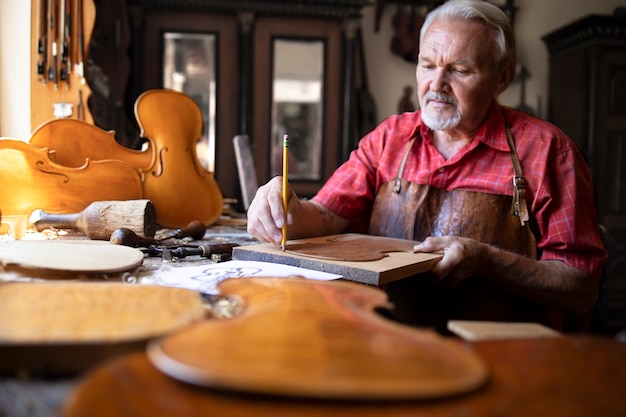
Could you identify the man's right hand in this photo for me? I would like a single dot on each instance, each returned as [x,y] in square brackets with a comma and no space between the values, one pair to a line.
[266,214]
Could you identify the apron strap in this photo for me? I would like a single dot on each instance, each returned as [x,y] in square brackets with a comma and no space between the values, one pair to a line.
[397,182]
[518,208]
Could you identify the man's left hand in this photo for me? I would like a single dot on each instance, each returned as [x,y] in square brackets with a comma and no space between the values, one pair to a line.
[462,257]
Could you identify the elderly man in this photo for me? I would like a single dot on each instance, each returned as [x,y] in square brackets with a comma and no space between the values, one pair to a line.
[507,197]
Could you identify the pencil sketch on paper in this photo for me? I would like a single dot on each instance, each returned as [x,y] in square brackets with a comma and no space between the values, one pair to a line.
[210,277]
[205,278]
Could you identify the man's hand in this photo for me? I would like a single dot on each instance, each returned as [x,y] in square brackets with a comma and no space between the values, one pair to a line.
[462,258]
[266,214]
[550,282]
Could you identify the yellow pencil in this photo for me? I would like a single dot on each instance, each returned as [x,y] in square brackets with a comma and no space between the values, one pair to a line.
[283,241]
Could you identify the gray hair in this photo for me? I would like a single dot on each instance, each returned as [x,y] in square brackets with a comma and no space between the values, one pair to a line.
[479,10]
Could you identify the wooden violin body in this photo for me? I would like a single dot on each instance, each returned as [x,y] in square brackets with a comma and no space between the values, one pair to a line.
[31,180]
[180,188]
[73,141]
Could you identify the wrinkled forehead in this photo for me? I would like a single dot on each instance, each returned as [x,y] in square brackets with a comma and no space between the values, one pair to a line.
[472,39]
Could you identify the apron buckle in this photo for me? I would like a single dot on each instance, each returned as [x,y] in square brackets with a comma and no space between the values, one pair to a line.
[519,208]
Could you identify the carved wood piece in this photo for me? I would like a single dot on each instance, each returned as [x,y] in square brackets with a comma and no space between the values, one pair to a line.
[318,339]
[31,180]
[62,328]
[352,247]
[74,140]
[62,257]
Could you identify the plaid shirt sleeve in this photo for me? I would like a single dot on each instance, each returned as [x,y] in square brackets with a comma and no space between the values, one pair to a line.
[562,194]
[351,190]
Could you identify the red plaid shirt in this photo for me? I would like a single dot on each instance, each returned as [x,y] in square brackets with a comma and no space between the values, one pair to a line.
[559,188]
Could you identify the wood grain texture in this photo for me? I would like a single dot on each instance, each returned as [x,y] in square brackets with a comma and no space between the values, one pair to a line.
[101,218]
[92,312]
[352,248]
[385,267]
[316,339]
[177,184]
[32,180]
[64,327]
[73,141]
[573,376]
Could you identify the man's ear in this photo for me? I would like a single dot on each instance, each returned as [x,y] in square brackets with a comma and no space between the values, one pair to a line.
[506,76]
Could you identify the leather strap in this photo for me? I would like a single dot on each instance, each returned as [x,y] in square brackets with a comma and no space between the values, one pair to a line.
[397,183]
[518,208]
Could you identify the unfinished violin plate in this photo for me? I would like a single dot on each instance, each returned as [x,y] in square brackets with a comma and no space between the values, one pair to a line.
[88,257]
[304,338]
[352,247]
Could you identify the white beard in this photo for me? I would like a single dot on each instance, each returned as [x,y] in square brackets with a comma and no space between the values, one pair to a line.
[433,119]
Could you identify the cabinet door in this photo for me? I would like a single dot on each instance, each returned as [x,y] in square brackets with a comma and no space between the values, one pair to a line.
[197,53]
[609,152]
[297,91]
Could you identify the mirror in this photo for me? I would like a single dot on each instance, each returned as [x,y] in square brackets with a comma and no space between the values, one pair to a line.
[189,67]
[297,106]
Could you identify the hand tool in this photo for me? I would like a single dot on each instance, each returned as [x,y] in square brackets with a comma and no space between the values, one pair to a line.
[101,218]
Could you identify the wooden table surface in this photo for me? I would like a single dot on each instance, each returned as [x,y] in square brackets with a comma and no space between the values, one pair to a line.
[564,376]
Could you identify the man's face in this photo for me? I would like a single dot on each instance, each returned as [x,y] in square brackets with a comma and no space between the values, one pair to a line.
[456,78]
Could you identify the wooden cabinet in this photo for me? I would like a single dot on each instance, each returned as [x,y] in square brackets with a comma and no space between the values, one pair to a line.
[587,100]
[245,35]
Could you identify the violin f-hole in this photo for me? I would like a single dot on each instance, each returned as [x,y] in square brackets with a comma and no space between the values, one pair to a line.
[160,171]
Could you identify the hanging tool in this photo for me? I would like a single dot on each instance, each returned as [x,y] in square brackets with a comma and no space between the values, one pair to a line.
[42,40]
[53,71]
[64,35]
[79,67]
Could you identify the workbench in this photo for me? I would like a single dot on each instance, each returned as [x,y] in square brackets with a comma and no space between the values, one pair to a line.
[568,375]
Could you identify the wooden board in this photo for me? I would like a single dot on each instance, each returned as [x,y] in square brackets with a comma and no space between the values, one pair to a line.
[67,326]
[245,169]
[393,266]
[318,339]
[489,330]
[88,257]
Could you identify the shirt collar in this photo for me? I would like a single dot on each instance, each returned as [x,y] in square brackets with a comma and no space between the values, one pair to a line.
[493,132]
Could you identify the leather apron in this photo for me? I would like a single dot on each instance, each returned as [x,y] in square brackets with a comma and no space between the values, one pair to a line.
[414,211]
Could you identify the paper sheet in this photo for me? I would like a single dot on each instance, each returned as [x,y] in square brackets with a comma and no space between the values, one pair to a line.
[204,278]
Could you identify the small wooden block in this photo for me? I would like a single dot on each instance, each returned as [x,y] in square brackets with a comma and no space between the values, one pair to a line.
[490,330]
